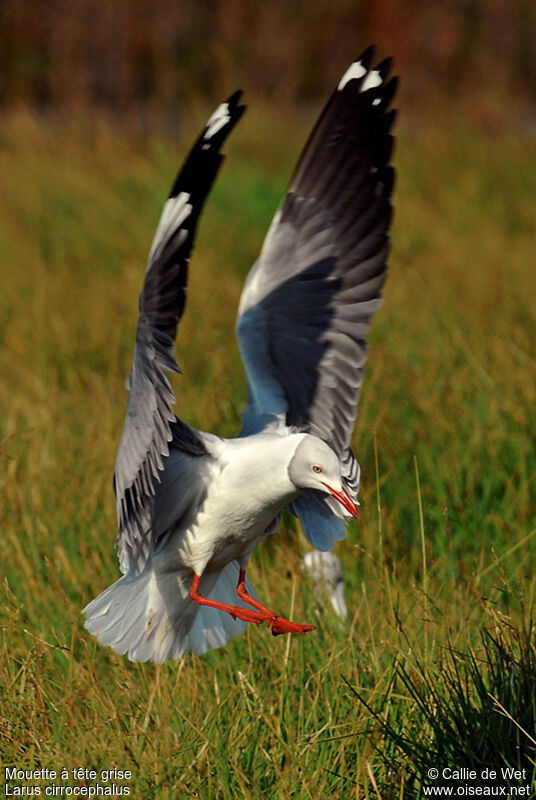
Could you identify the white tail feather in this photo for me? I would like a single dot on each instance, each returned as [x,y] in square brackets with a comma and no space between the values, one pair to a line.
[152,618]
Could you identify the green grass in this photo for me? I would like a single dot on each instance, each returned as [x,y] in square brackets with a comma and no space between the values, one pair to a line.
[478,711]
[450,389]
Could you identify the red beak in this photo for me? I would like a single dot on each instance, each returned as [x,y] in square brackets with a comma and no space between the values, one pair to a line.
[344,499]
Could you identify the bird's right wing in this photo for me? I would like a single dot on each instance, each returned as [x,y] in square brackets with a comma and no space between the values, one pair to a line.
[150,423]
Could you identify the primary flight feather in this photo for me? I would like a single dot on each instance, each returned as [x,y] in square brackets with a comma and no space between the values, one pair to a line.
[192,506]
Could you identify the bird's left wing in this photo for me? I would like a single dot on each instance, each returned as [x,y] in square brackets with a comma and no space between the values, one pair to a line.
[308,302]
[150,423]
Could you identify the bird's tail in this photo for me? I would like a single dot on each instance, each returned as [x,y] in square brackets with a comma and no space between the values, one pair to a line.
[151,617]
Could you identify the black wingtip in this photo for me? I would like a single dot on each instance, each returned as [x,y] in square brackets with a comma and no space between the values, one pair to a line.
[217,129]
[367,56]
[199,170]
[232,102]
[234,98]
[384,67]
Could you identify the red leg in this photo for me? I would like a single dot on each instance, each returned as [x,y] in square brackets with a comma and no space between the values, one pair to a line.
[242,592]
[235,611]
[277,623]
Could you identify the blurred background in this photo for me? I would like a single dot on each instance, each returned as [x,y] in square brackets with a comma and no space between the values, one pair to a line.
[155,55]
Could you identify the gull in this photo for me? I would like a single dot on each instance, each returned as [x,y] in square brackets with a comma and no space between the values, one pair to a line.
[192,506]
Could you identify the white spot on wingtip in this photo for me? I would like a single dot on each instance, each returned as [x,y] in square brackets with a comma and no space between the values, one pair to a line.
[355,70]
[219,118]
[376,101]
[372,80]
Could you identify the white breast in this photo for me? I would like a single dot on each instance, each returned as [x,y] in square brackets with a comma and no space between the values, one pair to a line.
[249,487]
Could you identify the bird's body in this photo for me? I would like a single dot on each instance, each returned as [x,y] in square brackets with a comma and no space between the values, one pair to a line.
[215,537]
[192,506]
[229,522]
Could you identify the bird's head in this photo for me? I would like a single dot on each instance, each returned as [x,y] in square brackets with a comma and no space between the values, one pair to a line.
[315,465]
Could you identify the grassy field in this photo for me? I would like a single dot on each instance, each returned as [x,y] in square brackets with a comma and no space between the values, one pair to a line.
[446,545]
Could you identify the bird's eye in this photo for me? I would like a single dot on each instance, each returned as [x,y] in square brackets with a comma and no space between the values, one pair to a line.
[317,469]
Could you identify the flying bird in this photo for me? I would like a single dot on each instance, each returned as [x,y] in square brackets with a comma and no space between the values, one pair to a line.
[192,506]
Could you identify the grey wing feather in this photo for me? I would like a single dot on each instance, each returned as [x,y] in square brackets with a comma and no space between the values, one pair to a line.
[308,302]
[151,425]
